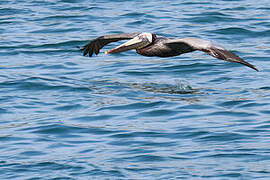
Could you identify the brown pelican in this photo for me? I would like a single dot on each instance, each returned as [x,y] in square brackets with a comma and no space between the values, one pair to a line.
[148,44]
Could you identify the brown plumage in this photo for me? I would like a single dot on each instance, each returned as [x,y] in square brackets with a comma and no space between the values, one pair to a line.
[148,44]
[96,44]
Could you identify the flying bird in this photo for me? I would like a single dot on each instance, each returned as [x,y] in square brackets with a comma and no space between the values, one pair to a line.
[148,44]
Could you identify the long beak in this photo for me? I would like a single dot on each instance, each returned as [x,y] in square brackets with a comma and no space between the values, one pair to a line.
[131,44]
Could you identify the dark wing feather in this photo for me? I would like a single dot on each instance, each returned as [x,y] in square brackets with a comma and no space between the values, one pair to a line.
[227,56]
[164,47]
[179,47]
[211,49]
[96,44]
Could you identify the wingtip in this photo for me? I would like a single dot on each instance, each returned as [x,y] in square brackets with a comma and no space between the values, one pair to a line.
[255,69]
[249,65]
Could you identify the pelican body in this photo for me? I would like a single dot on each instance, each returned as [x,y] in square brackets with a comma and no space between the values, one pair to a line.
[148,44]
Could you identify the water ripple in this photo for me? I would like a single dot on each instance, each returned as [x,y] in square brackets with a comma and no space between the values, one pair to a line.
[241,32]
[125,116]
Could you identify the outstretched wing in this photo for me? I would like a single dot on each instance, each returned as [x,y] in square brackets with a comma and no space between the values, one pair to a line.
[211,49]
[96,44]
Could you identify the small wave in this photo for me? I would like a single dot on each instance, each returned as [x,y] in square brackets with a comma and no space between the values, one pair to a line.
[139,22]
[233,30]
[133,106]
[53,30]
[3,111]
[36,83]
[49,48]
[210,17]
[181,87]
[48,45]
[68,107]
[232,114]
[94,118]
[222,137]
[242,32]
[13,11]
[133,14]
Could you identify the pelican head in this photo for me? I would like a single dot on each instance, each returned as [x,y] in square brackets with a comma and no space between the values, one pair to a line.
[138,42]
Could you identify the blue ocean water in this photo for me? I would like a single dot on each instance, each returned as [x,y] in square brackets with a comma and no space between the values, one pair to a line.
[125,116]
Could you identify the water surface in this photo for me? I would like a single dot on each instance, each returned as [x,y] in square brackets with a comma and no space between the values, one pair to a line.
[125,116]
